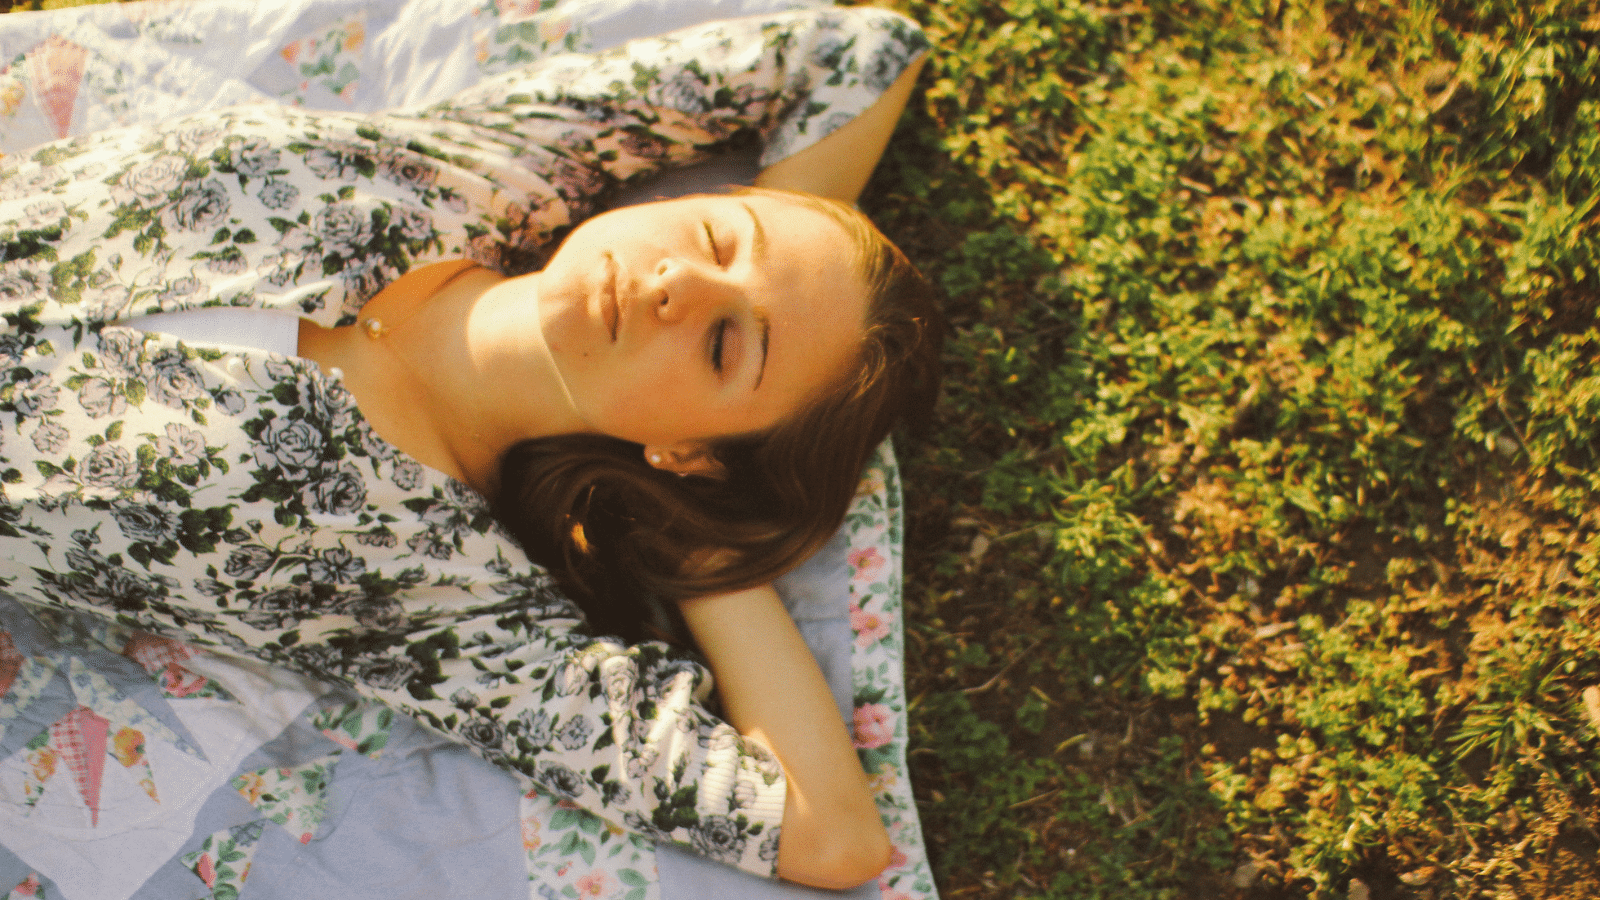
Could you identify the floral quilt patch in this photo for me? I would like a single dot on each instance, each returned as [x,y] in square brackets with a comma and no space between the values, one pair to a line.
[574,853]
[30,887]
[164,658]
[329,60]
[875,526]
[223,860]
[33,675]
[517,32]
[362,727]
[294,797]
[127,747]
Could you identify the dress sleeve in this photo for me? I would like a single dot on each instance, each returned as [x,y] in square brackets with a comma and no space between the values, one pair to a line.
[620,731]
[589,123]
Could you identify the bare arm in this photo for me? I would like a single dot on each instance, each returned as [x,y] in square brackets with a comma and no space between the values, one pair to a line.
[769,683]
[839,165]
[773,691]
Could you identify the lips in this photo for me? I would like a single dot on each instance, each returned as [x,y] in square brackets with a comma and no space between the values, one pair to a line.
[610,307]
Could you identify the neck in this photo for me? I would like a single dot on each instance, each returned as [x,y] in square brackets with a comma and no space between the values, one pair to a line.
[506,350]
[454,376]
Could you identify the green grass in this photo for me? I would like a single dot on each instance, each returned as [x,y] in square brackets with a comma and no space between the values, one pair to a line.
[1255,553]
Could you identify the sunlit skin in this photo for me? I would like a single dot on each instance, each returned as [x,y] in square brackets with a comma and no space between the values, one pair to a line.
[672,324]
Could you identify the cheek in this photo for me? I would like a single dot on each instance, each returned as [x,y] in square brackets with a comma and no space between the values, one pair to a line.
[643,404]
[629,417]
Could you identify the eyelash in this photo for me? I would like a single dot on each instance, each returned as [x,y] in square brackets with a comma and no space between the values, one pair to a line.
[719,330]
[711,238]
[717,333]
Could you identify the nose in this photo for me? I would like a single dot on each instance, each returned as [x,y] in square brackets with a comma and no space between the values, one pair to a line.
[684,289]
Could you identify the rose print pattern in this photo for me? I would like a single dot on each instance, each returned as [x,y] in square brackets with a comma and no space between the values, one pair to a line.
[223,859]
[873,524]
[238,498]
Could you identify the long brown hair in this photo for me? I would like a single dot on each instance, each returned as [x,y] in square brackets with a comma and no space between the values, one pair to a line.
[627,540]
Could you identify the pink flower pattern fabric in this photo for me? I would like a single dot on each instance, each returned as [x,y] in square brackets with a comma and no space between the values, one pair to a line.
[875,521]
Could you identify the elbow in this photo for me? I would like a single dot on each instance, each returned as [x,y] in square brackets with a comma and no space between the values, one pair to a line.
[840,859]
[868,857]
[857,858]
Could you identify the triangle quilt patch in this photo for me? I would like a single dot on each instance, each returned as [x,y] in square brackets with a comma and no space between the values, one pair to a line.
[223,860]
[57,70]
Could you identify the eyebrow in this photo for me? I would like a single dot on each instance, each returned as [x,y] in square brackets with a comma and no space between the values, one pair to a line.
[758,247]
[758,250]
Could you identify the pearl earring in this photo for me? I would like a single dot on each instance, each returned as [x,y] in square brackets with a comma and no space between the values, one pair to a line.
[655,459]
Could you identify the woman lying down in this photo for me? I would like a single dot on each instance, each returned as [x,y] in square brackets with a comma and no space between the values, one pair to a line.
[411,394]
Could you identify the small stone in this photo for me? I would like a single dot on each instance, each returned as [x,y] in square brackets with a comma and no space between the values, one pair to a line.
[1591,705]
[1419,877]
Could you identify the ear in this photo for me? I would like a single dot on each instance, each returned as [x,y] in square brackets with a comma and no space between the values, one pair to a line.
[685,459]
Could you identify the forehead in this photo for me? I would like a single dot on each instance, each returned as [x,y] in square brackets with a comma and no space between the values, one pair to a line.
[816,300]
[777,205]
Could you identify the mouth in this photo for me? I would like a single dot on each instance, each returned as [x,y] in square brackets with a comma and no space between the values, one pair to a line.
[610,307]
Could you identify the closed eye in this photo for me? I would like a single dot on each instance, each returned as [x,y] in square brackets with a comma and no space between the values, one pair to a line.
[718,332]
[711,240]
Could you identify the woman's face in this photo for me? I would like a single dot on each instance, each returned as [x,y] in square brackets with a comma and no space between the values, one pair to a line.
[675,323]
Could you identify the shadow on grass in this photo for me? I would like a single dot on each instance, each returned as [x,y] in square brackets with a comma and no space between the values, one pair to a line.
[1042,764]
[1253,553]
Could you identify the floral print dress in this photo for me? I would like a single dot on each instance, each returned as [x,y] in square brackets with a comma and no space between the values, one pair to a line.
[236,498]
